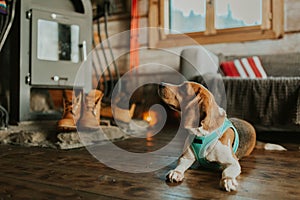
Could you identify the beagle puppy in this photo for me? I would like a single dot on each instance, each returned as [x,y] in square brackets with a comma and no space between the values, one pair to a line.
[218,142]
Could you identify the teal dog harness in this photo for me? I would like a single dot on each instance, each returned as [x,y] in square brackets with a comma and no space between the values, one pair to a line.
[201,143]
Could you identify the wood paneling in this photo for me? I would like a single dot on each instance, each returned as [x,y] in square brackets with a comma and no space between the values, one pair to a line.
[284,45]
[292,15]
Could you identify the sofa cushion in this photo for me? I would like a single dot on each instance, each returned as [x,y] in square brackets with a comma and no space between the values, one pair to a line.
[196,61]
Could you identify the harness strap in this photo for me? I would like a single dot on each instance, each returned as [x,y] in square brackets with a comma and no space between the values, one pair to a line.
[201,143]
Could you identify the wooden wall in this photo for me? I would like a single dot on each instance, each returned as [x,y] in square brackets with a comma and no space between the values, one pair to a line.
[289,43]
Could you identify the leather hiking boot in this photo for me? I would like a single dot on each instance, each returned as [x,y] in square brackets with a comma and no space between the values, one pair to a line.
[72,109]
[91,110]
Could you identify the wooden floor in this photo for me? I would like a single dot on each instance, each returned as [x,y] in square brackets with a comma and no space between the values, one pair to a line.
[43,173]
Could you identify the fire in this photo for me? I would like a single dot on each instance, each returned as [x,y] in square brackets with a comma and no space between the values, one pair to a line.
[150,117]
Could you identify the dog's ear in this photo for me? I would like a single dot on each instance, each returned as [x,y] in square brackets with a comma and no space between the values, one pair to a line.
[211,115]
[202,110]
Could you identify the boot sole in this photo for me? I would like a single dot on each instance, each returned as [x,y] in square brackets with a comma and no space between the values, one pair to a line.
[82,128]
[66,128]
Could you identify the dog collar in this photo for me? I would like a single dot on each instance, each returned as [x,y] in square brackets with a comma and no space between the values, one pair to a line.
[201,143]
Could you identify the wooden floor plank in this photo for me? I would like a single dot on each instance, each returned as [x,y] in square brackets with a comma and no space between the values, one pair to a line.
[20,189]
[75,174]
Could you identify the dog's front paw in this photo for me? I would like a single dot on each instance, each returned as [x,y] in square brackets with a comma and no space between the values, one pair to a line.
[175,176]
[229,184]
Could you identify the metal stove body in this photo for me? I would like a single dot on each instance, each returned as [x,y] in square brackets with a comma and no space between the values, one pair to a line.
[48,42]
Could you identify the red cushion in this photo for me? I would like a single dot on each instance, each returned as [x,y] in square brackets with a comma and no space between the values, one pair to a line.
[250,67]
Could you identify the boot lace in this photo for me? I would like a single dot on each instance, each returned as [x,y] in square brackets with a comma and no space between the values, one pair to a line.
[91,104]
[71,106]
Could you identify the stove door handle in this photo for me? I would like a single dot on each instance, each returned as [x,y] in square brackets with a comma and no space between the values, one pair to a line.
[57,78]
[83,49]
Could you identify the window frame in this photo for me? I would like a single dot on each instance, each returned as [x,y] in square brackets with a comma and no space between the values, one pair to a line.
[272,26]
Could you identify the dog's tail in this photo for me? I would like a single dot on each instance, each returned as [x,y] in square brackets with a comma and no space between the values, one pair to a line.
[269,146]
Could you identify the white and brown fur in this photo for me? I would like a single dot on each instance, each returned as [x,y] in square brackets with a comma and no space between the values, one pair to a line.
[201,115]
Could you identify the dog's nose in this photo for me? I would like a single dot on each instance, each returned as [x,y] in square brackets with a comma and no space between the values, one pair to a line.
[161,85]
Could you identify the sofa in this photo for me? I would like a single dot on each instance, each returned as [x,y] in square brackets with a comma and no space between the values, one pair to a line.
[270,104]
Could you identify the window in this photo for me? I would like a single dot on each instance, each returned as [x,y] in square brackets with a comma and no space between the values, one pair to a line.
[241,13]
[183,15]
[214,21]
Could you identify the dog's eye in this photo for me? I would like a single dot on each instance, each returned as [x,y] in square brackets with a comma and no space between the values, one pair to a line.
[172,106]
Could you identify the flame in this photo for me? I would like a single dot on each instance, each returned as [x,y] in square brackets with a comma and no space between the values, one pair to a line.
[150,117]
